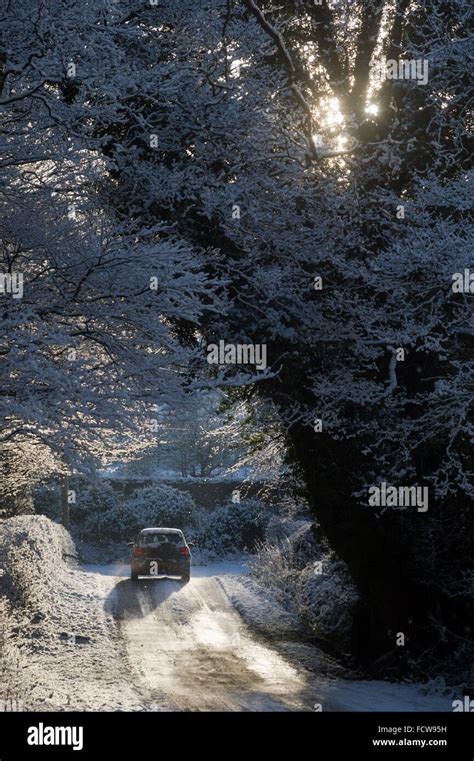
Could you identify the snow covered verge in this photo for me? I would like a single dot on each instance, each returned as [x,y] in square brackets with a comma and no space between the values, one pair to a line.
[301,597]
[308,582]
[264,613]
[61,647]
[279,623]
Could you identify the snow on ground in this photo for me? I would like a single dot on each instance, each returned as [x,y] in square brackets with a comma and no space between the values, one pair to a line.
[217,568]
[111,569]
[87,638]
[367,695]
[62,646]
[265,614]
[259,608]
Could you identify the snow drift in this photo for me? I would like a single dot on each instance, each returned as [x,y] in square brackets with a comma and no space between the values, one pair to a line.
[61,648]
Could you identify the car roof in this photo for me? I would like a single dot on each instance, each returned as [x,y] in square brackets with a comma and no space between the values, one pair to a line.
[163,530]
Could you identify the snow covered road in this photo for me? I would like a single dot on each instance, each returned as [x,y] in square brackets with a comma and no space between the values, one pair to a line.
[87,638]
[187,643]
[188,649]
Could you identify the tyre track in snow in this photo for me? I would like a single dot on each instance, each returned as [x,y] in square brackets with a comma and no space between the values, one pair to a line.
[82,638]
[188,645]
[187,648]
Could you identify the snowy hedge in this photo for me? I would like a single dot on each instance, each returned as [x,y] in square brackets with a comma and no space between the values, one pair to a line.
[150,506]
[304,578]
[233,527]
[101,514]
[326,597]
[36,551]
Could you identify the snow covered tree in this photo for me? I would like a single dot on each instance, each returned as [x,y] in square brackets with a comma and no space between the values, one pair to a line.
[334,200]
[90,299]
[373,379]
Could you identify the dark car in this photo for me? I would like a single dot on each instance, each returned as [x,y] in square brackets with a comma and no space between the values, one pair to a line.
[160,552]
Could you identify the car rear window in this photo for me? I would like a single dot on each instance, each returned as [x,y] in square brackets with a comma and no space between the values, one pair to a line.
[161,538]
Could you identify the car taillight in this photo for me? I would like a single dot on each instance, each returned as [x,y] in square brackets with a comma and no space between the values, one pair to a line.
[138,550]
[184,551]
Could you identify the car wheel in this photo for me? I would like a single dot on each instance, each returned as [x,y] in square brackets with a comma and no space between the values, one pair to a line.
[186,576]
[134,575]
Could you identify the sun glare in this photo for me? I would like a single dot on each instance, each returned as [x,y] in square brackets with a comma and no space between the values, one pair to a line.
[331,113]
[341,143]
[372,109]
